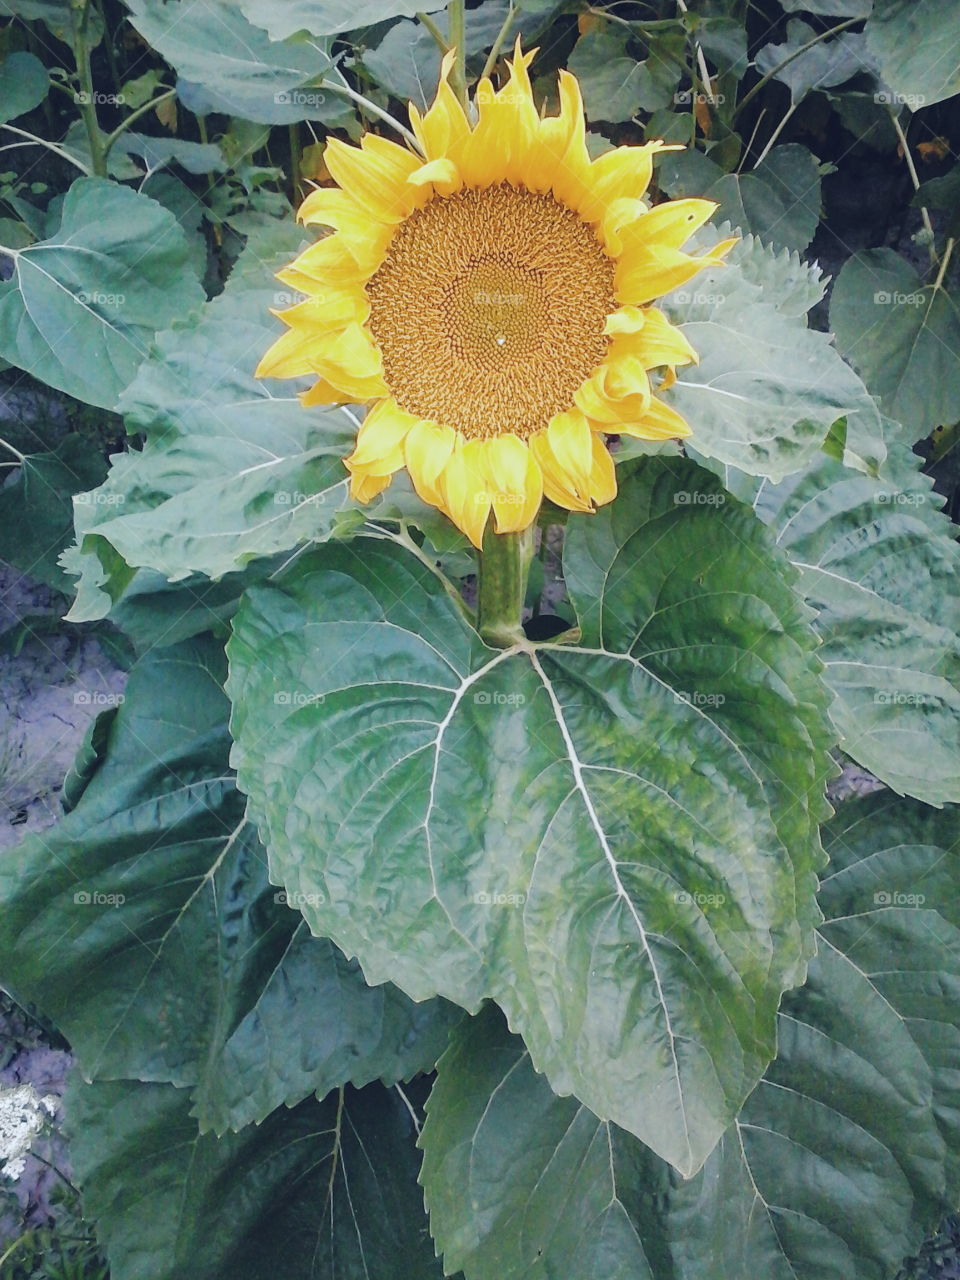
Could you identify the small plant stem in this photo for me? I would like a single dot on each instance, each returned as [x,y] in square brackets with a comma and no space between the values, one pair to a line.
[428,23]
[21,457]
[108,46]
[947,255]
[701,61]
[775,71]
[502,569]
[456,17]
[51,146]
[915,179]
[80,16]
[775,135]
[369,105]
[295,175]
[498,44]
[133,117]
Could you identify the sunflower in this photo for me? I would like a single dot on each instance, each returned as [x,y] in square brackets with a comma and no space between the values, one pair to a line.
[489,299]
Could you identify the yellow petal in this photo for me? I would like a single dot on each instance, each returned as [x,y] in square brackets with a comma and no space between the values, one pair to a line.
[556,482]
[444,127]
[364,488]
[603,475]
[427,449]
[374,174]
[465,496]
[625,320]
[624,171]
[660,422]
[672,223]
[570,440]
[619,391]
[353,363]
[381,436]
[442,175]
[323,392]
[646,272]
[660,342]
[507,464]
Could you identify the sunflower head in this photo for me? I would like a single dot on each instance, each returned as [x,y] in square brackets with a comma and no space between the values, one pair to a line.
[490,300]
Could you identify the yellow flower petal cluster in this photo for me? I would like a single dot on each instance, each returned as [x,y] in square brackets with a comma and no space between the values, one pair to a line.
[490,300]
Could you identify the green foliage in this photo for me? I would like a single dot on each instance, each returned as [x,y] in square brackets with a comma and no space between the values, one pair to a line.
[385,953]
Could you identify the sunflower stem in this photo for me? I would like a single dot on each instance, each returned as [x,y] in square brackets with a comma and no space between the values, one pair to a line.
[456,19]
[502,570]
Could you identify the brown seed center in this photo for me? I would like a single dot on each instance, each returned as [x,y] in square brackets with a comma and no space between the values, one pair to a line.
[489,310]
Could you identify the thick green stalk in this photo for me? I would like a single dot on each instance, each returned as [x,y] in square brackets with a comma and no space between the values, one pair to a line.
[456,17]
[503,568]
[80,15]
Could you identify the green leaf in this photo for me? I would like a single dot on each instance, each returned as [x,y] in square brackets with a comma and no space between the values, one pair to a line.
[83,305]
[828,63]
[830,8]
[284,18]
[615,84]
[36,514]
[23,85]
[55,15]
[226,64]
[843,1157]
[194,157]
[232,469]
[838,1164]
[778,201]
[767,389]
[520,1183]
[328,1189]
[917,43]
[879,563]
[902,336]
[541,825]
[144,925]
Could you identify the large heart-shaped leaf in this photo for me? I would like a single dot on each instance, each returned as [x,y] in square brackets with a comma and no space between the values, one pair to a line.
[584,833]
[767,388]
[327,1189]
[227,64]
[284,18]
[82,306]
[902,335]
[144,925]
[232,468]
[917,43]
[841,1160]
[880,565]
